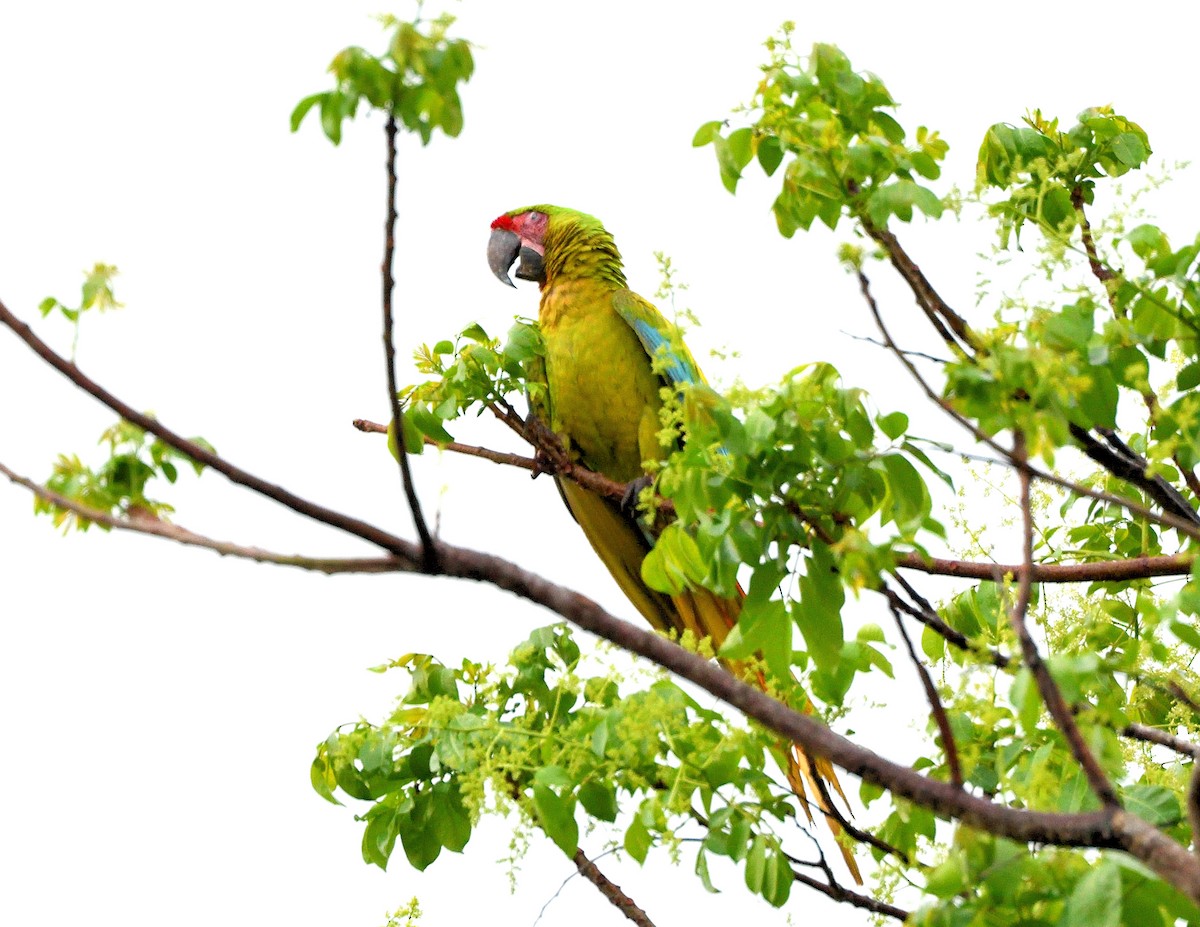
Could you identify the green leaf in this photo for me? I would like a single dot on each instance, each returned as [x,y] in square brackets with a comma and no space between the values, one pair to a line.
[302,109]
[1096,899]
[637,839]
[420,843]
[756,864]
[1186,633]
[1156,803]
[1188,378]
[894,424]
[770,154]
[707,133]
[557,817]
[818,614]
[331,116]
[449,817]
[599,799]
[702,872]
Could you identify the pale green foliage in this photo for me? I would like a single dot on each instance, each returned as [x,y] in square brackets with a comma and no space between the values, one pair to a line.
[539,738]
[97,293]
[416,80]
[118,485]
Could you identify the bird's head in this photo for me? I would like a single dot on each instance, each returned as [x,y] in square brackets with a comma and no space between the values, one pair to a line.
[520,234]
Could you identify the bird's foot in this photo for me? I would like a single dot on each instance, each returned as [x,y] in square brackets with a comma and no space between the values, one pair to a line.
[633,493]
[543,463]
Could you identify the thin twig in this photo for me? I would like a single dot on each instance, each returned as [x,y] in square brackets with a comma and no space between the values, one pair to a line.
[470,450]
[929,617]
[428,551]
[1176,689]
[848,896]
[1050,692]
[879,344]
[949,746]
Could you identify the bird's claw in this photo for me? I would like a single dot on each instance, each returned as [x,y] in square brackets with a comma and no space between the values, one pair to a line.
[633,492]
[543,463]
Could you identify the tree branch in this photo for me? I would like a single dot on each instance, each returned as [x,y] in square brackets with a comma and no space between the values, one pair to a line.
[1099,571]
[610,890]
[428,551]
[847,896]
[1184,526]
[1121,462]
[1110,828]
[1051,694]
[165,529]
[949,747]
[401,548]
[1153,735]
[935,308]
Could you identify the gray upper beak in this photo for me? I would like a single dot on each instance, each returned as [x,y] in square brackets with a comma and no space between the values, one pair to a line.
[502,251]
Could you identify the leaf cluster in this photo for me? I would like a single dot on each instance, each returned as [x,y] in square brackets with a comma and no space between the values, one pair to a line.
[118,486]
[416,80]
[565,750]
[842,151]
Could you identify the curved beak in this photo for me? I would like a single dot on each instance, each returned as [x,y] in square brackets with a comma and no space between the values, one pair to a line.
[502,251]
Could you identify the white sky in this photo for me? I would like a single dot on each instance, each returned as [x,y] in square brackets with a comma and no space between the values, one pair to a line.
[161,705]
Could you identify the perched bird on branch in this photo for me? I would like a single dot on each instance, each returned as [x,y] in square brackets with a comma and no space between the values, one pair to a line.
[609,353]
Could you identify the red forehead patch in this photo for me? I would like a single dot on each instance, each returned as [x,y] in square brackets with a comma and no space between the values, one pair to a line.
[504,222]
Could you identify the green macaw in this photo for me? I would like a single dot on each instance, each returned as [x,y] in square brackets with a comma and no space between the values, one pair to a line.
[609,353]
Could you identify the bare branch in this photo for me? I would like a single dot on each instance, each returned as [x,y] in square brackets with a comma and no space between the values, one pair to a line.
[164,529]
[925,613]
[470,450]
[847,896]
[1048,688]
[1102,571]
[401,548]
[428,551]
[1153,735]
[935,308]
[949,747]
[610,890]
[1123,463]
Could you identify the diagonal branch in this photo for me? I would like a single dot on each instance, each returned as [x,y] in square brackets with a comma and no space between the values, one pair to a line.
[935,308]
[1153,735]
[428,551]
[1111,827]
[368,532]
[949,746]
[1182,525]
[610,890]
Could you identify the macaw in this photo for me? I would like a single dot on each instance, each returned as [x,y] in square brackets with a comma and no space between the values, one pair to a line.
[608,355]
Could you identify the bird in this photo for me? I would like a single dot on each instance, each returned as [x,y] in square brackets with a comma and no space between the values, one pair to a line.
[609,353]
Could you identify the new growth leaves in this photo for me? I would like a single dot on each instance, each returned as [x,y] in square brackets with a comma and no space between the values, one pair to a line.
[416,79]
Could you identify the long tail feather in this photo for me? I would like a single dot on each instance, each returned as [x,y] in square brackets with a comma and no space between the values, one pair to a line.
[622,545]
